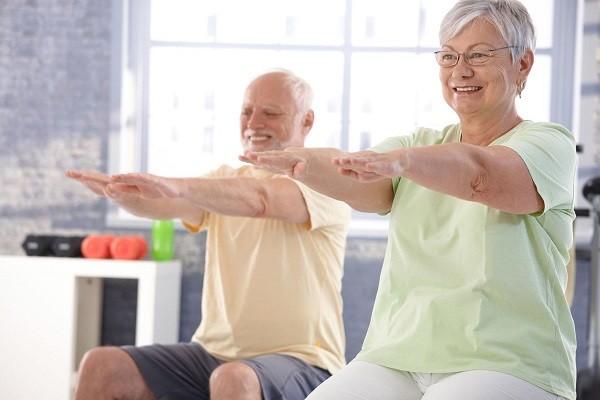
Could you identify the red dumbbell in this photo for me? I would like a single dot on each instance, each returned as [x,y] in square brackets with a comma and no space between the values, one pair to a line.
[96,246]
[128,248]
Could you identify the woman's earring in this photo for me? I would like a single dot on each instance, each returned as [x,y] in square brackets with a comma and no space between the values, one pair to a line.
[520,88]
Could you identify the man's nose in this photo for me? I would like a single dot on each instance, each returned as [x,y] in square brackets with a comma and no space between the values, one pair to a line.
[254,121]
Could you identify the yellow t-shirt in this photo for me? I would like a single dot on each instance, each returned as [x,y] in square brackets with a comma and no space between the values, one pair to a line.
[465,286]
[272,286]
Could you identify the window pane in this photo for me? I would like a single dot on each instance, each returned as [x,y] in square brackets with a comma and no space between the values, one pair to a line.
[382,97]
[385,23]
[432,109]
[433,13]
[258,21]
[182,20]
[195,104]
[392,94]
[541,13]
[535,101]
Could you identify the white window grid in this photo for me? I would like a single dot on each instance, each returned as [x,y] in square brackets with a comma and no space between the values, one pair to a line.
[180,68]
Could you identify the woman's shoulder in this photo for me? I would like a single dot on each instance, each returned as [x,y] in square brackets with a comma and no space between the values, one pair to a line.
[536,131]
[533,126]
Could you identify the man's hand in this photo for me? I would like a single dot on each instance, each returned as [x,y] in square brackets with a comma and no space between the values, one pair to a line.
[364,166]
[147,186]
[144,195]
[104,185]
[95,181]
[288,162]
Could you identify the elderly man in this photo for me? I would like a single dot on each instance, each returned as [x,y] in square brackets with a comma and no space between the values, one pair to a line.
[271,310]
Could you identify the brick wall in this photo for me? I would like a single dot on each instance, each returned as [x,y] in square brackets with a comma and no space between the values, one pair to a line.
[54,69]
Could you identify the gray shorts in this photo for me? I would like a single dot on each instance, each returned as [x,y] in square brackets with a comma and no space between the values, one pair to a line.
[182,371]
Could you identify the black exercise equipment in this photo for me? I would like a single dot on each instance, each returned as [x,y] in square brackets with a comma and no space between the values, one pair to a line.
[52,245]
[38,245]
[588,379]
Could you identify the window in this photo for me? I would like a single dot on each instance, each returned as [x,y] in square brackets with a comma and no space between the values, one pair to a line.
[183,66]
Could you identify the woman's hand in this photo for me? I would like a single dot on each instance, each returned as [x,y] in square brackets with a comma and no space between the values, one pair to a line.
[368,166]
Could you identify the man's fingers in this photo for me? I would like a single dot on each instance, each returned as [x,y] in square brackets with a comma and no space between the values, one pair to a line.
[132,179]
[124,188]
[300,169]
[88,176]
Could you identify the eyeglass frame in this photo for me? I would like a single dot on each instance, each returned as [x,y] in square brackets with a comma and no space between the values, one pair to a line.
[467,59]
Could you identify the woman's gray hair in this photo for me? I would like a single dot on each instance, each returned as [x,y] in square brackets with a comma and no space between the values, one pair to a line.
[510,17]
[300,89]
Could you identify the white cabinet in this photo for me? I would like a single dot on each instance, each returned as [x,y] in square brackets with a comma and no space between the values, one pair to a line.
[50,314]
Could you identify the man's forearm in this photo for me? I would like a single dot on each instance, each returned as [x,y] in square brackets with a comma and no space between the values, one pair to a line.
[162,208]
[323,176]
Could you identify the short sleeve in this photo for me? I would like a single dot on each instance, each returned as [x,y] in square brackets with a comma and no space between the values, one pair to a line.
[548,151]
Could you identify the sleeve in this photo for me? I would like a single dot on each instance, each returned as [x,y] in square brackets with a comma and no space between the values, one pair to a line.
[549,152]
[390,144]
[419,137]
[323,210]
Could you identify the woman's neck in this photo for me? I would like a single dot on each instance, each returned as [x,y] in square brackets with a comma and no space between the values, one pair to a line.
[483,132]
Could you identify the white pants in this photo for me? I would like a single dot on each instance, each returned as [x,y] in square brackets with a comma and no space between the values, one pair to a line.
[365,381]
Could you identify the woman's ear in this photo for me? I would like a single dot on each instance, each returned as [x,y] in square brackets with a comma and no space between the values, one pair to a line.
[525,65]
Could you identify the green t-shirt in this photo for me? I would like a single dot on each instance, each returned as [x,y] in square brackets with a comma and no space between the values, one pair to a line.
[465,286]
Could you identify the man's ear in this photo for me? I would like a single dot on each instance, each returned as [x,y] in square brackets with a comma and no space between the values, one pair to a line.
[309,120]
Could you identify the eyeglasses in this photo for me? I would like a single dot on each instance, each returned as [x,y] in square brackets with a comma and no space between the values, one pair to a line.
[447,58]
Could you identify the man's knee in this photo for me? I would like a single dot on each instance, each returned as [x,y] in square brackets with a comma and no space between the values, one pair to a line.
[101,361]
[109,372]
[238,372]
[234,375]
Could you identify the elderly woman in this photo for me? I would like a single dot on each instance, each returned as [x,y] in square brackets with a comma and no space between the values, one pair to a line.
[471,301]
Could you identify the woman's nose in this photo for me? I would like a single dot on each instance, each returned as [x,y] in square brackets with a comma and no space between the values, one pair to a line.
[462,69]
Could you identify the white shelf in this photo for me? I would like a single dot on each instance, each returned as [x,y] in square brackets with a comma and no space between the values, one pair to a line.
[50,312]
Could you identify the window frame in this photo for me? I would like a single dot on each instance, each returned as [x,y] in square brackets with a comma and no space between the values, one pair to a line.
[129,92]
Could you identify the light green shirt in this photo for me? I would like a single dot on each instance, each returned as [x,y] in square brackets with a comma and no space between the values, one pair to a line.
[465,286]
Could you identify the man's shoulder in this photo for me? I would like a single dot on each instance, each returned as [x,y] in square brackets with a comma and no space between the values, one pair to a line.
[250,171]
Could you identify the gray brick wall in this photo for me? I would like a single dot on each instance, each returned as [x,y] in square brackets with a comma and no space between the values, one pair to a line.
[54,66]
